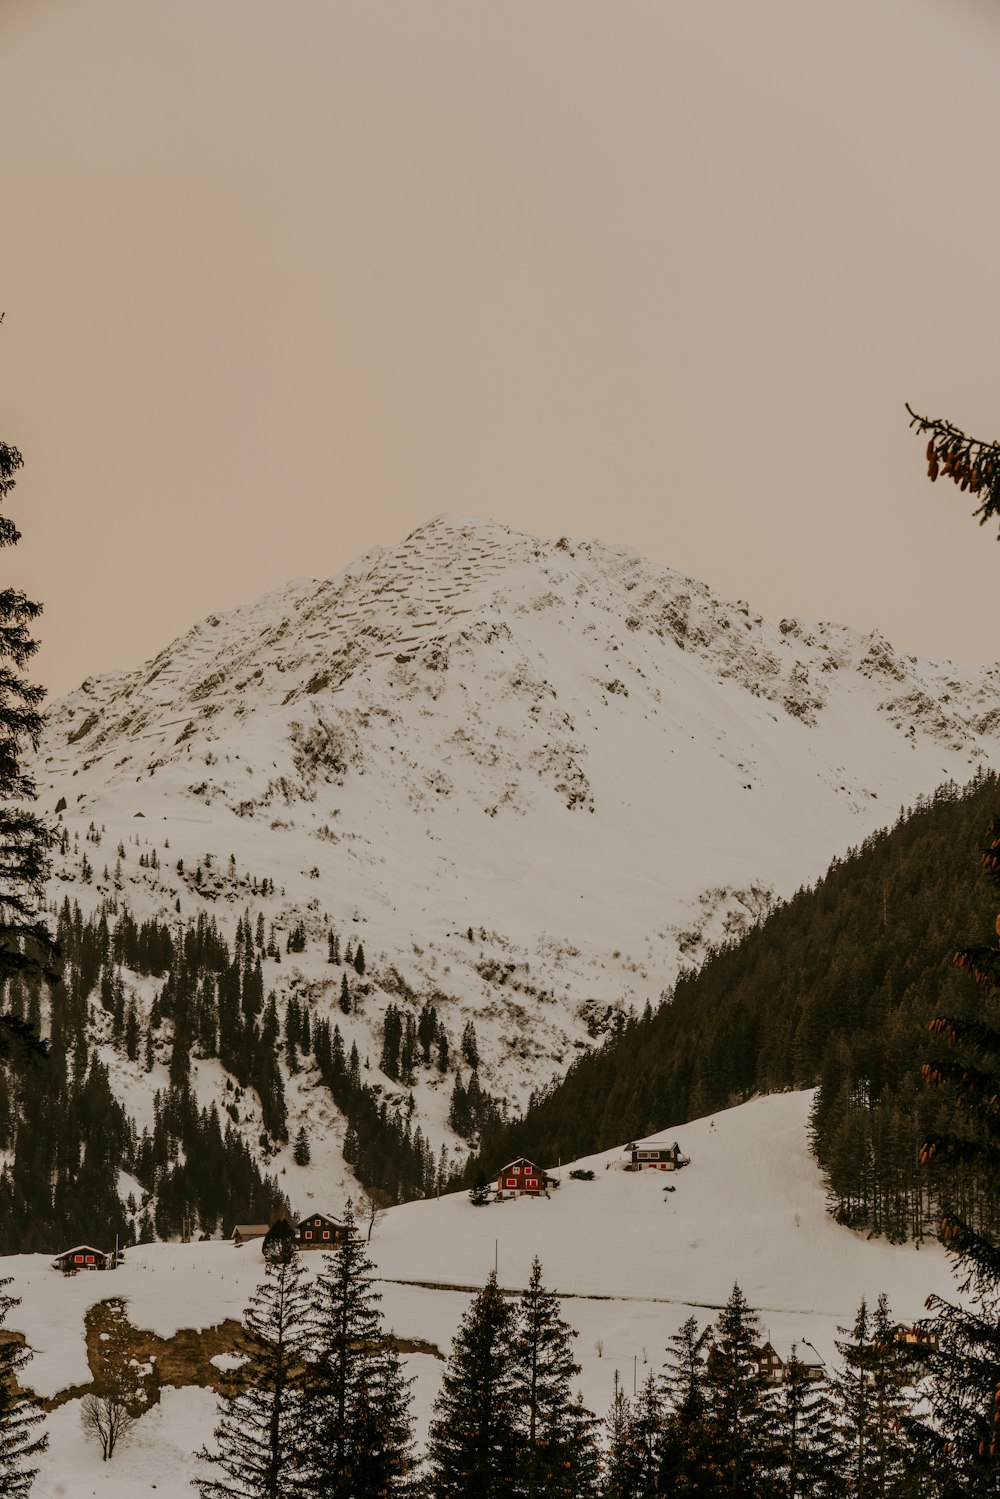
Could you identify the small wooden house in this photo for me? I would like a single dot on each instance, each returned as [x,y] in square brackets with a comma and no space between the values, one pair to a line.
[658,1156]
[243,1233]
[522,1178]
[770,1363]
[320,1231]
[84,1257]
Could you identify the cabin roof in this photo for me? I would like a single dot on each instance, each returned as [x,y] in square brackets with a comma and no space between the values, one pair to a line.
[251,1228]
[81,1249]
[318,1213]
[517,1161]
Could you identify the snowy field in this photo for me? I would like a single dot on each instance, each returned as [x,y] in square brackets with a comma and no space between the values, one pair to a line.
[632,1261]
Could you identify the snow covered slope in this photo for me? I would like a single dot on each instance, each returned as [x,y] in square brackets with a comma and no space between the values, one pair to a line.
[631,1260]
[534,777]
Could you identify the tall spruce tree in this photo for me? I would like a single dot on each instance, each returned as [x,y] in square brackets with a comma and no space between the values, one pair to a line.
[261,1448]
[740,1447]
[359,1424]
[20,1439]
[619,1474]
[872,1401]
[683,1451]
[805,1429]
[963,1347]
[473,1437]
[555,1430]
[26,946]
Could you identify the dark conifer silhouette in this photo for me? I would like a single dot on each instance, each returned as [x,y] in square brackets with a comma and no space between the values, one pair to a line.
[473,1437]
[554,1430]
[359,1425]
[21,1441]
[963,1347]
[26,946]
[261,1450]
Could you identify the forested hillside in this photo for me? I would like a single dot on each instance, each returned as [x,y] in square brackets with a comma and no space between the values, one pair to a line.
[108,1135]
[836,987]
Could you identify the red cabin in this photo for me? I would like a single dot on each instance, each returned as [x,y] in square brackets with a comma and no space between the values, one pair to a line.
[320,1231]
[523,1178]
[83,1257]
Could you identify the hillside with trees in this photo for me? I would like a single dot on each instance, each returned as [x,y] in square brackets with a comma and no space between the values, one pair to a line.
[835,988]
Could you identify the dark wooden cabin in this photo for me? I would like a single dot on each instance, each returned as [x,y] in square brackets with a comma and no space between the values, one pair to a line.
[320,1231]
[84,1257]
[658,1156]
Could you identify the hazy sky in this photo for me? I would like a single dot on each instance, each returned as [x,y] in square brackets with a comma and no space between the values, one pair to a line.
[285,280]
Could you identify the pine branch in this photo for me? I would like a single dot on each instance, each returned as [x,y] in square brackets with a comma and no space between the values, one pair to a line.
[970,462]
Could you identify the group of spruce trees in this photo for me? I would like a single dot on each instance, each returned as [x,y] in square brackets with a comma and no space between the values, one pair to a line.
[319,1406]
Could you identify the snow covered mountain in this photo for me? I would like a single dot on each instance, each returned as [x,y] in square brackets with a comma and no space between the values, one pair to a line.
[532,777]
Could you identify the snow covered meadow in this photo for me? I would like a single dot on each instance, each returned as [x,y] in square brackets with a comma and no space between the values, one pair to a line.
[631,1260]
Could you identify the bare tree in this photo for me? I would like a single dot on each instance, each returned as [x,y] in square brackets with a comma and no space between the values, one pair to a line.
[107,1418]
[120,1391]
[371,1211]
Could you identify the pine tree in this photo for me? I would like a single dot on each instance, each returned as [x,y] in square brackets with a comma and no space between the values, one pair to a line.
[261,1452]
[739,1406]
[472,1449]
[301,1154]
[20,1440]
[621,1481]
[871,1405]
[683,1455]
[806,1430]
[553,1436]
[26,946]
[964,1440]
[359,1424]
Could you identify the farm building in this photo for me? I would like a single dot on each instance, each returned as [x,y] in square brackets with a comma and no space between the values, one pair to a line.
[243,1233]
[319,1231]
[523,1178]
[657,1156]
[84,1257]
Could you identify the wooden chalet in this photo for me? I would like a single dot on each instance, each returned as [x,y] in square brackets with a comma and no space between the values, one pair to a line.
[243,1233]
[771,1364]
[84,1257]
[522,1178]
[320,1231]
[658,1156]
[776,1370]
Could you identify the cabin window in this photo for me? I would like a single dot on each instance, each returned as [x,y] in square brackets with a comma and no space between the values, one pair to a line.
[90,1259]
[516,1170]
[317,1223]
[309,1233]
[511,1182]
[78,1259]
[532,1181]
[326,1233]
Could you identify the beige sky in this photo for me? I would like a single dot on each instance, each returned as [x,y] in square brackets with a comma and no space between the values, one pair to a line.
[284,280]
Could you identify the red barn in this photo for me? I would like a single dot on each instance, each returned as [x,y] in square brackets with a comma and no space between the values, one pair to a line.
[320,1231]
[523,1178]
